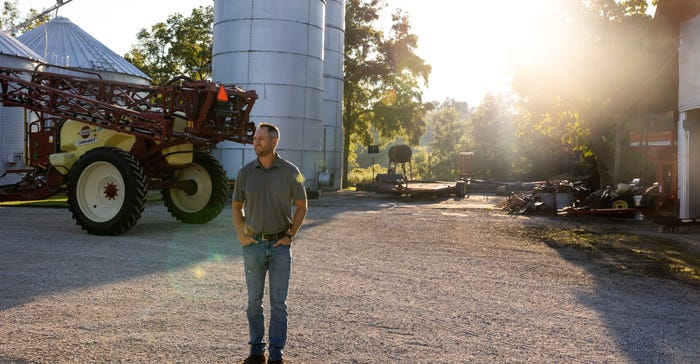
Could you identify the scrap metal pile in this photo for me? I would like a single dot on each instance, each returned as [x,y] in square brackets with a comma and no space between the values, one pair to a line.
[547,196]
[574,198]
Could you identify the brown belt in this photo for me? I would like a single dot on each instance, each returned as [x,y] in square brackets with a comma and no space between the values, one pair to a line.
[266,236]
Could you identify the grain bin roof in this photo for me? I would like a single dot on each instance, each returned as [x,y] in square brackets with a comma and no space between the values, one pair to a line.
[10,46]
[63,43]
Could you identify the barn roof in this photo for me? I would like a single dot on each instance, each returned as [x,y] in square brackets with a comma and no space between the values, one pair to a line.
[10,46]
[62,43]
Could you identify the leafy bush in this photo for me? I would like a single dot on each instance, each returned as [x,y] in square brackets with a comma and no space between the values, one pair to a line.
[364,175]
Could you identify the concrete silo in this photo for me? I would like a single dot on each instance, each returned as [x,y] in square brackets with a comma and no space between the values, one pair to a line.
[276,48]
[13,54]
[334,52]
[62,43]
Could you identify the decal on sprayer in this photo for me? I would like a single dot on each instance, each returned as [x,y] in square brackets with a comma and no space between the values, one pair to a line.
[87,141]
[85,134]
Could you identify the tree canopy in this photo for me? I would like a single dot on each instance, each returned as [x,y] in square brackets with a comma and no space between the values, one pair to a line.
[586,77]
[179,46]
[450,134]
[383,76]
[11,18]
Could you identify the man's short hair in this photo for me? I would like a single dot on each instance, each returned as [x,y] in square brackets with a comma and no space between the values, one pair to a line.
[273,130]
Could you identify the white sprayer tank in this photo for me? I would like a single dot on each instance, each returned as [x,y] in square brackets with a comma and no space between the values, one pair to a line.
[276,48]
[13,54]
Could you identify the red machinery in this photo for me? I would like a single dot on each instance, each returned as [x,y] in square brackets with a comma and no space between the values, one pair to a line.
[105,143]
[660,149]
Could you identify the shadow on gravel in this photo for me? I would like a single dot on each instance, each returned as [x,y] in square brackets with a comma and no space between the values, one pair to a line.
[330,204]
[333,203]
[43,252]
[623,246]
[647,286]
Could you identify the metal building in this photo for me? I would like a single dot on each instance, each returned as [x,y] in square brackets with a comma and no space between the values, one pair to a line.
[689,118]
[13,54]
[275,47]
[62,43]
[676,91]
[334,53]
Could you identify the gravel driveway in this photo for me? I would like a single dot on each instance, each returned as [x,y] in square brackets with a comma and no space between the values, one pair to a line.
[374,280]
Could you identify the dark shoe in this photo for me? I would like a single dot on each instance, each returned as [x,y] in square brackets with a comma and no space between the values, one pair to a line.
[281,361]
[254,359]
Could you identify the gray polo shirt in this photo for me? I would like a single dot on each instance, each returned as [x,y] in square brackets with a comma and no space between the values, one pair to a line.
[268,194]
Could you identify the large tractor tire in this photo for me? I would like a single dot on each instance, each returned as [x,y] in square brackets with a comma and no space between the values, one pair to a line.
[205,202]
[106,191]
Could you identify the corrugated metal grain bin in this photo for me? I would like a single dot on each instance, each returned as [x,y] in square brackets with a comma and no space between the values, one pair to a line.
[13,54]
[276,48]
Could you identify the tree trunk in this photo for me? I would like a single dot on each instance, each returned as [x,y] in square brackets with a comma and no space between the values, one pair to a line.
[618,151]
[603,158]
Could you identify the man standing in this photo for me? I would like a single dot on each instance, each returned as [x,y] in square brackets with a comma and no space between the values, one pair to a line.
[265,191]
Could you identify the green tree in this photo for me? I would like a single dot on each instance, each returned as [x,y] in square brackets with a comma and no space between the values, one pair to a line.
[11,18]
[382,79]
[548,149]
[493,138]
[10,15]
[179,46]
[590,68]
[451,132]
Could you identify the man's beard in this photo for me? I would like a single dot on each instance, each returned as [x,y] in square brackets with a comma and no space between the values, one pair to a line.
[263,152]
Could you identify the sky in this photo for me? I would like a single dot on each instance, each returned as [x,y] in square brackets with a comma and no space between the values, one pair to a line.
[472,45]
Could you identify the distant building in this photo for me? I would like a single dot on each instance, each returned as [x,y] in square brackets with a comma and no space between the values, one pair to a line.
[676,88]
[13,120]
[62,43]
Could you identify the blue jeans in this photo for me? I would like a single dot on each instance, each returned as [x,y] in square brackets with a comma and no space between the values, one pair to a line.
[259,259]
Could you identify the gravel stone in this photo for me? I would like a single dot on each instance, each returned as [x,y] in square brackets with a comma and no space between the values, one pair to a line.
[374,280]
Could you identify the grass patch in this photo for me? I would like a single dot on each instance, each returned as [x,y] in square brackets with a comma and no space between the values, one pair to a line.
[630,253]
[60,201]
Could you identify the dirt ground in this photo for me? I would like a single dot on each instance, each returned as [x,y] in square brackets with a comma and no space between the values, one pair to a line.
[374,280]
